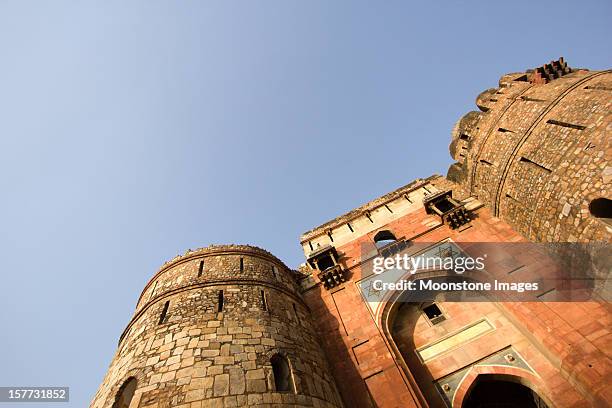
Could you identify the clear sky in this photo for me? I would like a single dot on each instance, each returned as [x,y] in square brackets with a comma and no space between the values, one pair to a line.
[132,131]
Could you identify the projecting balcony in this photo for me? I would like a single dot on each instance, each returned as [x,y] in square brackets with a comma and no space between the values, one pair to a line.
[325,264]
[451,212]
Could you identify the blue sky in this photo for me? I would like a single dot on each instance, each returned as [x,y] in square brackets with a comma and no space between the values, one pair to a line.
[132,131]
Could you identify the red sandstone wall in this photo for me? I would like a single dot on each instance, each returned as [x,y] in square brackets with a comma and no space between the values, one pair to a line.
[566,344]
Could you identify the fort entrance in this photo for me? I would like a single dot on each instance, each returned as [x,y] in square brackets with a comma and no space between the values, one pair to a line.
[491,391]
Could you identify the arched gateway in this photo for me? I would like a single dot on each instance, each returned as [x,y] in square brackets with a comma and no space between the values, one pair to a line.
[428,338]
[491,391]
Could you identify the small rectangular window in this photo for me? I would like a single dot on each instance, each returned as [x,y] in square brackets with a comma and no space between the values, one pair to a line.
[599,87]
[297,316]
[264,301]
[566,124]
[153,290]
[220,302]
[434,314]
[241,264]
[274,271]
[524,159]
[200,268]
[529,99]
[348,224]
[164,313]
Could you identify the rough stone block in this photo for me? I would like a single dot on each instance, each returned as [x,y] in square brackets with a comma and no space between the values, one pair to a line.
[221,385]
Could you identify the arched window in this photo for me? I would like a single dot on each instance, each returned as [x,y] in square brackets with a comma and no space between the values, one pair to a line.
[283,380]
[601,208]
[125,393]
[384,238]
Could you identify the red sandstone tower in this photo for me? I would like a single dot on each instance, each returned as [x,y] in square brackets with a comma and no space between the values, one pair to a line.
[533,165]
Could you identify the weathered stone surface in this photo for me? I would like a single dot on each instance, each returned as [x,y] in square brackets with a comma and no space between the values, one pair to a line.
[237,381]
[199,356]
[539,150]
[256,385]
[221,385]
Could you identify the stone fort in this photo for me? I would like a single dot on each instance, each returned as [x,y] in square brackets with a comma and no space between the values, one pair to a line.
[232,326]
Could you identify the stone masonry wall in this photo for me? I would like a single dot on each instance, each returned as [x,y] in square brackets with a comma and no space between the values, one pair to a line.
[537,155]
[200,356]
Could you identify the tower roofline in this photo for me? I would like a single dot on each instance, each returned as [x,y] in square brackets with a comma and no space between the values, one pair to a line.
[218,248]
[213,249]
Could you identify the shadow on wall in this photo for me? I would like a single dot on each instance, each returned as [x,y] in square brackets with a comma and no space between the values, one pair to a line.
[402,326]
[349,382]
